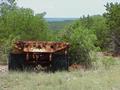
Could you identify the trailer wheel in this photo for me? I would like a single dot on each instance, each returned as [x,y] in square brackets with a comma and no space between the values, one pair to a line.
[11,62]
[16,62]
[59,63]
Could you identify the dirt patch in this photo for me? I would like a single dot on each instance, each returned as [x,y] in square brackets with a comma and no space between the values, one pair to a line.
[3,68]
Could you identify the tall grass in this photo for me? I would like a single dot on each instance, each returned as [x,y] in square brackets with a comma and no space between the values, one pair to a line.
[94,79]
[105,75]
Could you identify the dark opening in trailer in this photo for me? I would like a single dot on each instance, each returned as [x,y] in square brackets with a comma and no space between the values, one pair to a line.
[50,55]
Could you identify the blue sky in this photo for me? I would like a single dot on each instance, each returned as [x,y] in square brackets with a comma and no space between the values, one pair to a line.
[66,8]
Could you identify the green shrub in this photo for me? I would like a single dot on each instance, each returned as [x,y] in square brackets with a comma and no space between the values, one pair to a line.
[81,44]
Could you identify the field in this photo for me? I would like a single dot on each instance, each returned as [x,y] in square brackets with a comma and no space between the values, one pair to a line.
[100,78]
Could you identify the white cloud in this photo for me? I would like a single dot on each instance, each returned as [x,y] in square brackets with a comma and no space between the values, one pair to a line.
[66,8]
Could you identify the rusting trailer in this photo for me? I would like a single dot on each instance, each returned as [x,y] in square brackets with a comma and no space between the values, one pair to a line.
[50,55]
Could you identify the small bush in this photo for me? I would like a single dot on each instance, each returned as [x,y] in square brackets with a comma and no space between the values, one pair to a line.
[108,62]
[81,44]
[105,62]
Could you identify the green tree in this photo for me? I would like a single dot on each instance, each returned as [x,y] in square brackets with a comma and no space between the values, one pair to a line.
[97,24]
[19,24]
[100,28]
[112,16]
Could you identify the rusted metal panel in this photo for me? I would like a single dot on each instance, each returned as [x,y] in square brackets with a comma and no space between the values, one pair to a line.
[39,46]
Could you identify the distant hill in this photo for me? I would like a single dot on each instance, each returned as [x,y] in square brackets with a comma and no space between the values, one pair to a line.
[59,23]
[59,19]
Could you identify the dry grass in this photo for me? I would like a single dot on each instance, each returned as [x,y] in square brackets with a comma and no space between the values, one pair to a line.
[76,80]
[100,78]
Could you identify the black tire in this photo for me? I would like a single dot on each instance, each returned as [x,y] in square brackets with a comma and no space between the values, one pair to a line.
[10,62]
[16,61]
[59,63]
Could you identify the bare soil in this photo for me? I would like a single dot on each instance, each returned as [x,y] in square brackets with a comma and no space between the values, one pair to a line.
[3,68]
